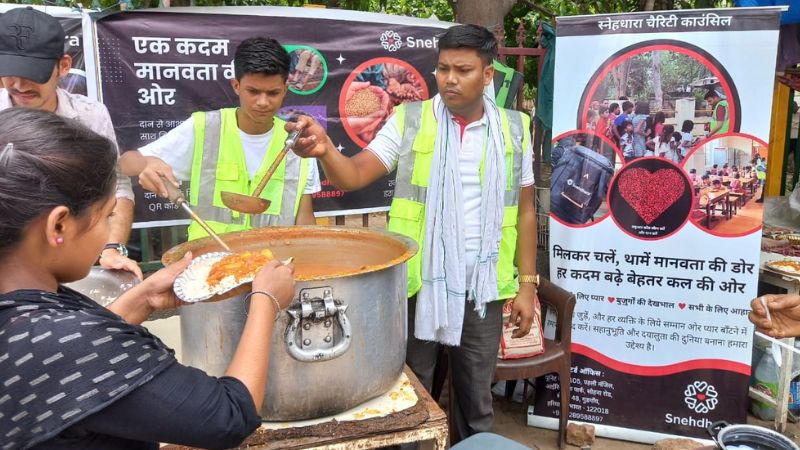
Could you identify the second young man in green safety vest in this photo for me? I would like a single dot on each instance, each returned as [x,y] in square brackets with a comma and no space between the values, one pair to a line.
[479,144]
[720,117]
[230,150]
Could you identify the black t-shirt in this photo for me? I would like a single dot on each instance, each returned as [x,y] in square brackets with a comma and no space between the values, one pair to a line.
[181,405]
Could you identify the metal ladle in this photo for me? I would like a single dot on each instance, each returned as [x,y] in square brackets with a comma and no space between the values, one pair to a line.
[176,196]
[253,204]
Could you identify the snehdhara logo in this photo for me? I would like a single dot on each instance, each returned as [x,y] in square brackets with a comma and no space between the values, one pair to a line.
[700,397]
[391,41]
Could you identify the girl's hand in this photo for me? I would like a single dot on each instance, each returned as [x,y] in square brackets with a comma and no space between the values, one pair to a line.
[153,294]
[277,279]
[157,288]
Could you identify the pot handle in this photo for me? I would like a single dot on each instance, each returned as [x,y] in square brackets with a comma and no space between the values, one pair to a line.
[715,428]
[311,335]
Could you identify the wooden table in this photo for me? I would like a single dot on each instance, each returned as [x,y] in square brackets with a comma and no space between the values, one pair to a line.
[715,198]
[423,422]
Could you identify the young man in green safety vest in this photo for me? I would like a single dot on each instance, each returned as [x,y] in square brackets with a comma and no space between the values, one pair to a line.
[761,175]
[230,150]
[721,115]
[464,192]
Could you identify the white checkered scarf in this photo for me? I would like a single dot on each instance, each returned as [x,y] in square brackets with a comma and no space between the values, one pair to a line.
[63,357]
[440,301]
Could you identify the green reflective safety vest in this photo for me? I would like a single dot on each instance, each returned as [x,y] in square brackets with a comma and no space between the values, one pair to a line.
[417,126]
[761,172]
[715,122]
[219,165]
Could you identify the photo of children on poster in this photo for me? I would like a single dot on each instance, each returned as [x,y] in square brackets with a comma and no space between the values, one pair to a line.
[664,263]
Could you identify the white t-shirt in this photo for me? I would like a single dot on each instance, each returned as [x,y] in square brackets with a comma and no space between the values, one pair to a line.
[686,142]
[386,146]
[177,147]
[667,149]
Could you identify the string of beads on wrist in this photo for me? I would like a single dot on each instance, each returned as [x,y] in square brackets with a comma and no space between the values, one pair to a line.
[269,295]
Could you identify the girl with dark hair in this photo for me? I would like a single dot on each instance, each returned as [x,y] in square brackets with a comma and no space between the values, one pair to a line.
[665,146]
[687,140]
[658,123]
[649,137]
[736,184]
[675,144]
[613,112]
[75,375]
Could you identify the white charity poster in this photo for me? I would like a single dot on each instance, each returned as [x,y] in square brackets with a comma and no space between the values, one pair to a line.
[660,123]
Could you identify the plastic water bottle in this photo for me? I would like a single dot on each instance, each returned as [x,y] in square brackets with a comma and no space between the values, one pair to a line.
[766,382]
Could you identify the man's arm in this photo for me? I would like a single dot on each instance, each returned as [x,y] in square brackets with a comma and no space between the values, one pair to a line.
[149,169]
[120,230]
[346,173]
[132,163]
[305,215]
[122,219]
[169,156]
[523,309]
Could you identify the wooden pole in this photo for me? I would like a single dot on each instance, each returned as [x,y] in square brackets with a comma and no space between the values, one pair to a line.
[777,138]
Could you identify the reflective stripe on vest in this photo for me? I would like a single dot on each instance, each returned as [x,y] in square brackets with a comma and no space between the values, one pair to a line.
[217,129]
[725,121]
[418,126]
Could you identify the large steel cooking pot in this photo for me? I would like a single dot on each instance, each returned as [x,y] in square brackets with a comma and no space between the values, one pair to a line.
[343,339]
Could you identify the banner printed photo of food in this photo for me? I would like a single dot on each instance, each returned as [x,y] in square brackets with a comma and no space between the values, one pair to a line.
[371,92]
[650,198]
[724,174]
[308,70]
[654,85]
[583,165]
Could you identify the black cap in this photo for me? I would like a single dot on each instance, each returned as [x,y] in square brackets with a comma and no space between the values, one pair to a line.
[31,43]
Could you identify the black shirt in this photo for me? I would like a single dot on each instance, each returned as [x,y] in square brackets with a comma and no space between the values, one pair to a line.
[181,405]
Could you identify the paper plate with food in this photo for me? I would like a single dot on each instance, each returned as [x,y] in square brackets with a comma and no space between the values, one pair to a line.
[785,266]
[216,273]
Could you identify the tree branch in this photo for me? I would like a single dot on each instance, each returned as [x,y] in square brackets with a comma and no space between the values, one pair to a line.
[541,9]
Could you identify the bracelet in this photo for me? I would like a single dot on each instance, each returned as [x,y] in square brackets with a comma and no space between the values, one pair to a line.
[275,300]
[532,279]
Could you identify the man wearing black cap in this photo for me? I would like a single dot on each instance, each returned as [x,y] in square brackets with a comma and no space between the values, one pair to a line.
[31,61]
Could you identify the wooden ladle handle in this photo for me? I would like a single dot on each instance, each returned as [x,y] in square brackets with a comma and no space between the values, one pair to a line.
[290,141]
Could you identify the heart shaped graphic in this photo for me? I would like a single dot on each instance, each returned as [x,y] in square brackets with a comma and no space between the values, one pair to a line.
[610,299]
[651,193]
[681,305]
